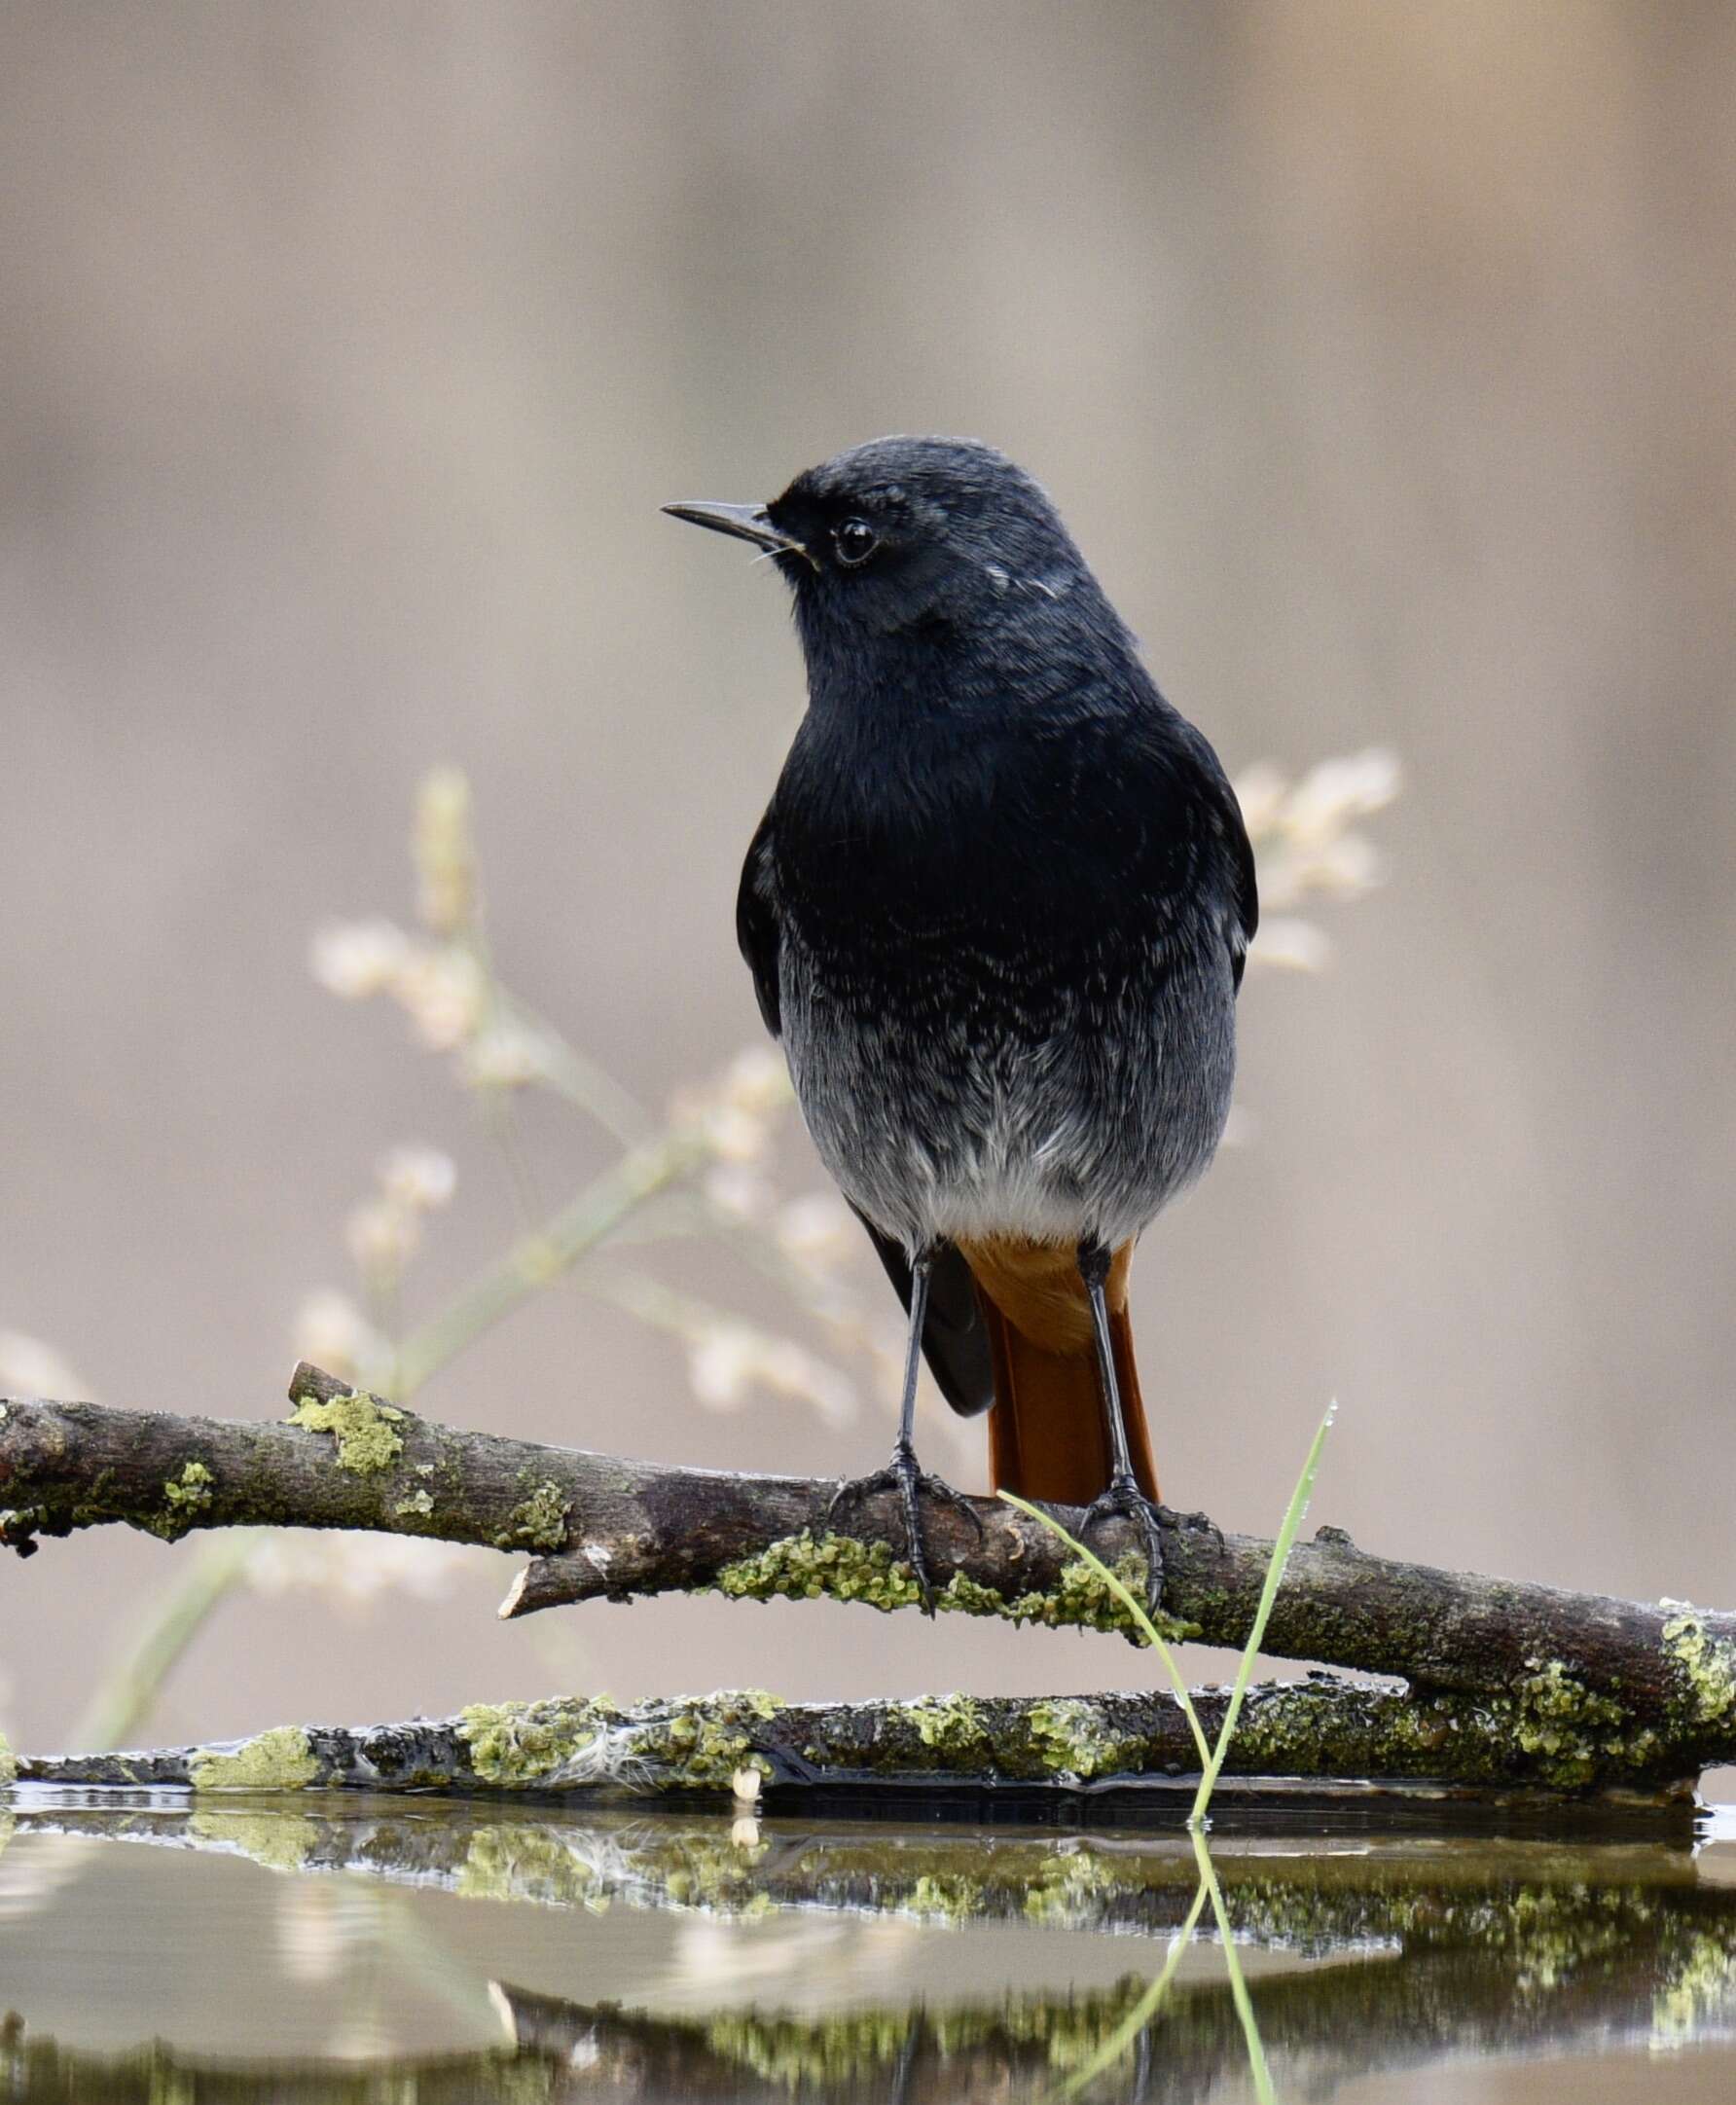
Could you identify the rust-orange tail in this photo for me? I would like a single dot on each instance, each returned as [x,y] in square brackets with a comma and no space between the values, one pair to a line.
[1046,1432]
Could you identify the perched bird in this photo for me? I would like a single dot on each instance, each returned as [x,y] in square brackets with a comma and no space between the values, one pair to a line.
[997,911]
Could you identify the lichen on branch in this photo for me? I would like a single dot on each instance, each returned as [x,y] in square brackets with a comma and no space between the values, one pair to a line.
[1506,1683]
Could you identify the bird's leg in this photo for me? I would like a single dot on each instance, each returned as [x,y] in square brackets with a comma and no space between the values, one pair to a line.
[1122,1498]
[903,1472]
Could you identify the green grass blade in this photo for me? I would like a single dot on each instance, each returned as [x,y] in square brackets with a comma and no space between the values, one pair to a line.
[1134,1608]
[1251,2029]
[1121,2040]
[1281,1556]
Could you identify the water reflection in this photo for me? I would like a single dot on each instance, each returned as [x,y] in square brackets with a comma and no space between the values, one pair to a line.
[633,1957]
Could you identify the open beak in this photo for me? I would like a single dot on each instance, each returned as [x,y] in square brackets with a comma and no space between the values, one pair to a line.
[746,522]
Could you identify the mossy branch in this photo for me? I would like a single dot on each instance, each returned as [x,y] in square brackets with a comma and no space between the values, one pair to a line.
[1570,1690]
[1126,1753]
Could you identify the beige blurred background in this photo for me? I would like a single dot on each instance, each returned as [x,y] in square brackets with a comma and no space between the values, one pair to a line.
[1380,357]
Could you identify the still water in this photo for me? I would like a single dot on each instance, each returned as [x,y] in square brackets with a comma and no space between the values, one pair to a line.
[408,1952]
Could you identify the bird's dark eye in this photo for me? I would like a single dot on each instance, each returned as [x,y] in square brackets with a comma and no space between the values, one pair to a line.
[856,540]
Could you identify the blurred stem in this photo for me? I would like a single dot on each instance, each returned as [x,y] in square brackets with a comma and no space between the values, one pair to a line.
[582,1082]
[580,1225]
[125,1696]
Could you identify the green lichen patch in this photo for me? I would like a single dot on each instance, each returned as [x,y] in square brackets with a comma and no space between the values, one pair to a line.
[1074,1740]
[511,1861]
[686,1743]
[538,1746]
[9,1764]
[281,1842]
[1706,1668]
[1067,1887]
[951,1725]
[538,1522]
[362,1427]
[698,1743]
[1082,1599]
[183,1497]
[1702,1980]
[418,1502]
[806,1567]
[1566,1730]
[281,1760]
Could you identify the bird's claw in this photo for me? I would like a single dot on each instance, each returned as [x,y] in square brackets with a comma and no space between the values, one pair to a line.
[905,1475]
[1123,1500]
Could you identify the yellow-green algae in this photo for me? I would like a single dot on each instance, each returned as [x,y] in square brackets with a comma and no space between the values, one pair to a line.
[418,1502]
[806,1567]
[1708,1667]
[362,1427]
[9,1764]
[538,1522]
[281,1760]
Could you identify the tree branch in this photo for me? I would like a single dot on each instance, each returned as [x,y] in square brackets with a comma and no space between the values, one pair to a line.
[1299,1748]
[1559,1689]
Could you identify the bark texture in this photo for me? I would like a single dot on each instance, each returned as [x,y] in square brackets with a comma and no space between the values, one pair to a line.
[1508,1682]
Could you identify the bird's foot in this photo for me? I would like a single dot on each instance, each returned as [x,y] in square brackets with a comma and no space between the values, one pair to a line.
[1123,1500]
[904,1475]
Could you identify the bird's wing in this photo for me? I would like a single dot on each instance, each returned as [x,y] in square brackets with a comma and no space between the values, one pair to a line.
[1230,835]
[757,924]
[1247,884]
[954,1337]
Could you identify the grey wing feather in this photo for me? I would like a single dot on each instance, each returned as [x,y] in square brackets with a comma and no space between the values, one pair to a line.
[954,1337]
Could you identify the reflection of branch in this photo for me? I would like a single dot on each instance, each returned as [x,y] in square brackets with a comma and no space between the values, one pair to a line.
[1513,1947]
[1510,1684]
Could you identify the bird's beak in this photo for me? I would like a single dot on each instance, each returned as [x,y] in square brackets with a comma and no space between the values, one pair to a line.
[746,522]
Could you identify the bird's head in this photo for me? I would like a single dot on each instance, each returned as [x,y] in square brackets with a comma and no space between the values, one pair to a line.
[943,540]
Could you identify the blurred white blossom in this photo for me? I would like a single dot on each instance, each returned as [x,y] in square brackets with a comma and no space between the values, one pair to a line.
[355,958]
[385,1231]
[741,1190]
[422,1178]
[444,993]
[383,1237]
[818,1230]
[735,1114]
[352,1571]
[30,1367]
[333,1333]
[505,1054]
[1292,944]
[728,1361]
[445,853]
[1306,846]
